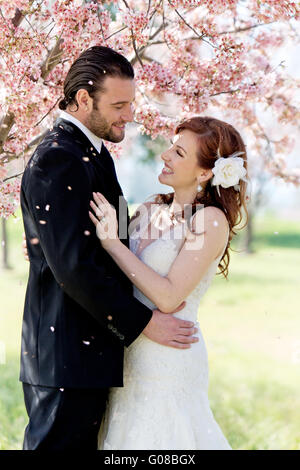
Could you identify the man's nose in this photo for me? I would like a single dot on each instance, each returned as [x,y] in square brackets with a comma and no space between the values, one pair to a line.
[128,115]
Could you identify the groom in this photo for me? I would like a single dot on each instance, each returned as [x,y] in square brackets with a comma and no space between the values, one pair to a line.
[79,309]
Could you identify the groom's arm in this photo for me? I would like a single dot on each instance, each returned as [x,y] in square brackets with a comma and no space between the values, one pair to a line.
[57,190]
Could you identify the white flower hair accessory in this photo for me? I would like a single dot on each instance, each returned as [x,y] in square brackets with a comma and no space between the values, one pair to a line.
[229,171]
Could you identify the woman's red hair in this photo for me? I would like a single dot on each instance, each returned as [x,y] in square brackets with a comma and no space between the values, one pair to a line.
[217,137]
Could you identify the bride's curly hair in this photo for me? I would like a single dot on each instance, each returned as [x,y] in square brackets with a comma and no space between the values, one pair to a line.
[217,138]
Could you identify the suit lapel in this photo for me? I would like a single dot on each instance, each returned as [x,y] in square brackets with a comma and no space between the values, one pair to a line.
[81,139]
[104,162]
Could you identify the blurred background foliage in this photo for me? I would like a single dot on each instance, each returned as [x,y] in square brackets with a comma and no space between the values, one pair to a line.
[250,324]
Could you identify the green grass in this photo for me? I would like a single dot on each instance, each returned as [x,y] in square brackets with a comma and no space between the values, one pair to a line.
[251,327]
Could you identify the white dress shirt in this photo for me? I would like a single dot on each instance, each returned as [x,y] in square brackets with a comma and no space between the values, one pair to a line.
[96,141]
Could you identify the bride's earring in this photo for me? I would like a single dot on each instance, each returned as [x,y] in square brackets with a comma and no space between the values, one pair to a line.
[199,187]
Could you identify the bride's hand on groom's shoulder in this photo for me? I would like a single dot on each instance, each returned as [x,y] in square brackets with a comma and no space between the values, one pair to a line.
[104,217]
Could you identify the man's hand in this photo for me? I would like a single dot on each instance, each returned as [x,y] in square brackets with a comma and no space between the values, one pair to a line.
[24,244]
[171,331]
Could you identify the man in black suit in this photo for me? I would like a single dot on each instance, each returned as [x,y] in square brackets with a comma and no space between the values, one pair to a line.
[79,309]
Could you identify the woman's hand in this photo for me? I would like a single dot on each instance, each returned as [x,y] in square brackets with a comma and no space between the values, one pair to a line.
[105,220]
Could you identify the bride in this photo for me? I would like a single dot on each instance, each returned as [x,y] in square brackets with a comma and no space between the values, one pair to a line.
[173,257]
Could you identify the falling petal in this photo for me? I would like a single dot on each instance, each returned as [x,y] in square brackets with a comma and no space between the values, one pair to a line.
[37,207]
[276,233]
[69,188]
[109,317]
[132,274]
[62,389]
[90,82]
[3,243]
[216,223]
[87,343]
[42,222]
[85,159]
[47,208]
[52,329]
[87,233]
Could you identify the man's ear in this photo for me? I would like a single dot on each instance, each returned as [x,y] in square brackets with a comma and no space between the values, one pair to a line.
[85,102]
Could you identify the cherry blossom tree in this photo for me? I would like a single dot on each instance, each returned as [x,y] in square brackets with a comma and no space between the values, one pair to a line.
[190,57]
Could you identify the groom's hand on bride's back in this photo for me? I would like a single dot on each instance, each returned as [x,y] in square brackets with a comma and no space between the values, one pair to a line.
[171,331]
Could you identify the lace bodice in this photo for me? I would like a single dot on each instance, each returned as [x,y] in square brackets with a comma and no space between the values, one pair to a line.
[160,255]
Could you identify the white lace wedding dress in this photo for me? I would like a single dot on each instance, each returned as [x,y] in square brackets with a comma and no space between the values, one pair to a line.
[164,402]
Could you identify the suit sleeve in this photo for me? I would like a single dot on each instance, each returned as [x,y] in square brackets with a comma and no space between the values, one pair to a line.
[58,191]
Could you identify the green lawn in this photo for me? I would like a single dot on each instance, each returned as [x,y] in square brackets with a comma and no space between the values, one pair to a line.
[251,326]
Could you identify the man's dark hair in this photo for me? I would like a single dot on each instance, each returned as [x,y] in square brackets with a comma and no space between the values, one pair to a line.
[90,70]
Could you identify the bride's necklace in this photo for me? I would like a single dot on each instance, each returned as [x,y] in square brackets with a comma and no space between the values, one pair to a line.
[173,216]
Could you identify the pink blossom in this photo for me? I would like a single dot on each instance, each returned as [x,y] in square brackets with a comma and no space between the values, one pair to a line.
[201,55]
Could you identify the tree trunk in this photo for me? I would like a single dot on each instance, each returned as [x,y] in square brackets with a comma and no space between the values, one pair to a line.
[4,247]
[249,233]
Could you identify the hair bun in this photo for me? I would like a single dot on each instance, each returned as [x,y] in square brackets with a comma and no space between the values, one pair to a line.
[63,104]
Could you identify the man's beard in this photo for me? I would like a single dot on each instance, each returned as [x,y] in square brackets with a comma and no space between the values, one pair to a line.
[97,124]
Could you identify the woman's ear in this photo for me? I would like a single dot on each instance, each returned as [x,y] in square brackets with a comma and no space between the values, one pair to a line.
[204,175]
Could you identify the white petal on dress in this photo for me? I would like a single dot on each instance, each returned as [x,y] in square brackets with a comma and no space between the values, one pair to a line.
[164,403]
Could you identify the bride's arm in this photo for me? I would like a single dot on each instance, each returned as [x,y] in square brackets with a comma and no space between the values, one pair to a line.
[197,253]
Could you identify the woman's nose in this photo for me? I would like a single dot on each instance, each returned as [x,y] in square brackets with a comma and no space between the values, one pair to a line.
[164,156]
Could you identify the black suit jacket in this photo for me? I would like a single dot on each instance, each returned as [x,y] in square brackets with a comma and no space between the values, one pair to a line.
[79,309]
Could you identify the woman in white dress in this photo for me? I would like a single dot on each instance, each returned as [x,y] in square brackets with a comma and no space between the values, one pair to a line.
[173,257]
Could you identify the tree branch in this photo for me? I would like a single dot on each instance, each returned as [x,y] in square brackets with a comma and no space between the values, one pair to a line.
[247,28]
[46,68]
[13,176]
[18,18]
[12,156]
[193,29]
[133,40]
[141,51]
[48,112]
